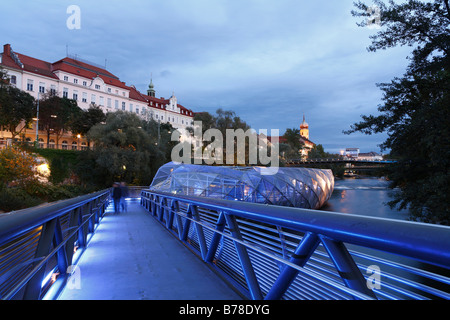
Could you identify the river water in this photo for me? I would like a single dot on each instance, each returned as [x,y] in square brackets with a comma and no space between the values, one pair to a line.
[364,196]
[369,196]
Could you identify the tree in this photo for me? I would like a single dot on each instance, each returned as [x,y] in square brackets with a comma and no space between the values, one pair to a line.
[318,152]
[224,120]
[83,121]
[16,166]
[16,107]
[293,144]
[126,149]
[56,115]
[415,110]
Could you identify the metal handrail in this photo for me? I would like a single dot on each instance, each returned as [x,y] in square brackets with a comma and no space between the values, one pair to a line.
[324,248]
[41,239]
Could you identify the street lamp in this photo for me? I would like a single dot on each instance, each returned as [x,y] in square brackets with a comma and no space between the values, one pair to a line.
[37,122]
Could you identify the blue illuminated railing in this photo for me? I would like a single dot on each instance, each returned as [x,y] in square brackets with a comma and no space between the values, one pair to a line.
[38,244]
[271,252]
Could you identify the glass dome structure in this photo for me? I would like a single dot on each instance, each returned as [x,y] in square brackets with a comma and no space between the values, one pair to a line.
[293,187]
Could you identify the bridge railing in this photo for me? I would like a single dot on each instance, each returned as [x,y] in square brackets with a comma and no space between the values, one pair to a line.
[272,252]
[38,245]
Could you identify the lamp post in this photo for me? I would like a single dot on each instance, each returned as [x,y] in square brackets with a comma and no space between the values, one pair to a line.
[37,122]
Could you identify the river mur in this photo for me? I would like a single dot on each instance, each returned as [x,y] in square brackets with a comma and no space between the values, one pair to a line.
[366,196]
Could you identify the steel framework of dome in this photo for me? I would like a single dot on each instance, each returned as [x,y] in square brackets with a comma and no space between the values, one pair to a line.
[293,187]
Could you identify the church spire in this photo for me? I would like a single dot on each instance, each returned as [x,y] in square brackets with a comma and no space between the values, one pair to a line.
[304,128]
[151,90]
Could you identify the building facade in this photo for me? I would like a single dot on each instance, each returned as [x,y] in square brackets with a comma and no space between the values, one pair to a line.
[88,84]
[304,139]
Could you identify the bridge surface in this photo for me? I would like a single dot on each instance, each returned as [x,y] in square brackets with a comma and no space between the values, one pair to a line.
[132,257]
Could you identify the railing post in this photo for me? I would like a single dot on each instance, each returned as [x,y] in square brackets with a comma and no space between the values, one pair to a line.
[246,264]
[216,238]
[200,234]
[62,254]
[300,256]
[74,216]
[346,266]
[173,208]
[187,224]
[33,288]
[82,236]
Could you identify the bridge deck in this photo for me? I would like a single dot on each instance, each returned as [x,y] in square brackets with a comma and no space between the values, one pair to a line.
[132,257]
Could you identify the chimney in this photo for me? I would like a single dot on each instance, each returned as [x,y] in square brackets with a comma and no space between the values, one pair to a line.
[7,49]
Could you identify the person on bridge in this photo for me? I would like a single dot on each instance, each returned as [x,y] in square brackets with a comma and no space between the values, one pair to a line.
[124,195]
[116,195]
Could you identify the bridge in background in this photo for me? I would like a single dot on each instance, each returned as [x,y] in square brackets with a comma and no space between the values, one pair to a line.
[168,246]
[294,162]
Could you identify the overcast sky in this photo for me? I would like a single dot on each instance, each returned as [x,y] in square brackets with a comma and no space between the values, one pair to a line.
[268,61]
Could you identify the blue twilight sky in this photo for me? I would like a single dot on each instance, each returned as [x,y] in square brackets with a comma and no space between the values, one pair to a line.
[269,61]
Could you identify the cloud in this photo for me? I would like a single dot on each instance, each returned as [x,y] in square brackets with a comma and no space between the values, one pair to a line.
[269,61]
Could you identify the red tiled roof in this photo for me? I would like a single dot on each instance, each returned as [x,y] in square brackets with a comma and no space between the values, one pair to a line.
[85,70]
[29,64]
[81,69]
[136,95]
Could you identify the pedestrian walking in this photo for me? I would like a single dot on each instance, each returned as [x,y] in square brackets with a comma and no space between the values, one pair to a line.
[116,195]
[124,195]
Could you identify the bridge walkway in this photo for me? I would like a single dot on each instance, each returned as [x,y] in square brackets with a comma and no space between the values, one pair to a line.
[132,257]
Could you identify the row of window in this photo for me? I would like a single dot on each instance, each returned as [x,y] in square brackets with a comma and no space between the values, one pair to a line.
[97,86]
[118,105]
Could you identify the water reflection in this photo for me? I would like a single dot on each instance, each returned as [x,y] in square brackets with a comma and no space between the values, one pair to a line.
[366,196]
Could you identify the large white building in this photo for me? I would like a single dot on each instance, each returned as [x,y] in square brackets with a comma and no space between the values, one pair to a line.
[90,84]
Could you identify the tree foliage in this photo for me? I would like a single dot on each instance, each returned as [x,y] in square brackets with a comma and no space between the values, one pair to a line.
[57,114]
[415,110]
[83,121]
[16,166]
[126,148]
[16,107]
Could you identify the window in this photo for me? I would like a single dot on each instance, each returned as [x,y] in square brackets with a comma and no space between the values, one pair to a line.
[75,95]
[64,145]
[109,90]
[97,86]
[101,101]
[85,83]
[93,98]
[65,92]
[123,106]
[131,107]
[75,80]
[137,110]
[66,78]
[53,89]
[13,80]
[116,104]
[30,85]
[108,103]
[41,87]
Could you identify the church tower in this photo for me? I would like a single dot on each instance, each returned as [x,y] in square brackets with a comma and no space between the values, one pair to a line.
[151,90]
[304,129]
